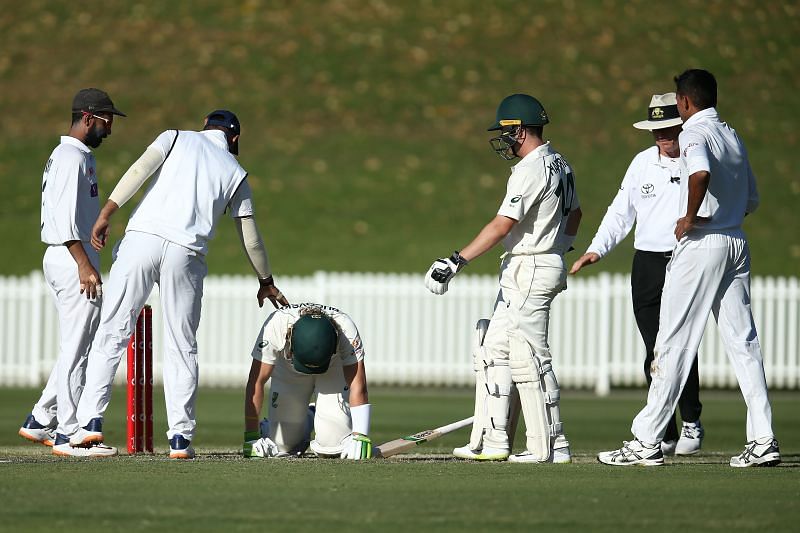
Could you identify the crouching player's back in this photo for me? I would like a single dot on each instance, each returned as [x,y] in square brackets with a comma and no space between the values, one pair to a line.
[308,348]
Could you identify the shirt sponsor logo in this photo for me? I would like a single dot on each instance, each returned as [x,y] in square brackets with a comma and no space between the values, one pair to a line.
[516,199]
[647,190]
[93,190]
[690,145]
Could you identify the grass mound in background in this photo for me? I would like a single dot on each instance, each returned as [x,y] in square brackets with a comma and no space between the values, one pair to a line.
[364,121]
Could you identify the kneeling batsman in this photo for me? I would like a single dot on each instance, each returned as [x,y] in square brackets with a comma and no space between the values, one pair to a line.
[307,349]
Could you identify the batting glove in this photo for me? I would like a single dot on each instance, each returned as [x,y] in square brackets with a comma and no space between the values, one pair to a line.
[260,447]
[357,447]
[442,271]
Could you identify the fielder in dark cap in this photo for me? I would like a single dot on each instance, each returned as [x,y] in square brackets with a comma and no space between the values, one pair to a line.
[70,205]
[194,179]
[94,101]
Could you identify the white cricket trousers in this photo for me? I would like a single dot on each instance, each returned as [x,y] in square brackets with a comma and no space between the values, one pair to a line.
[78,318]
[142,261]
[709,272]
[290,394]
[528,286]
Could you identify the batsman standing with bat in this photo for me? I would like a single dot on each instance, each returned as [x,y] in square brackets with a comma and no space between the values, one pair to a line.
[537,223]
[70,204]
[196,178]
[307,349]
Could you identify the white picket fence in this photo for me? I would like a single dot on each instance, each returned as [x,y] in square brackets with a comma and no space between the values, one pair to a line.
[413,337]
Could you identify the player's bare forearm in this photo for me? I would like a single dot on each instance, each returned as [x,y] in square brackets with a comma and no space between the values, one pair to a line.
[88,277]
[491,234]
[78,253]
[254,394]
[573,222]
[698,185]
[356,378]
[101,225]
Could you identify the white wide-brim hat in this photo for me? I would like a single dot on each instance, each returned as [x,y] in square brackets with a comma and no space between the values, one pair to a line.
[662,113]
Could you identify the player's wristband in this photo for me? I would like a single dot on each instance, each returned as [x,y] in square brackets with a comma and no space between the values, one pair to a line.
[459,261]
[360,415]
[266,282]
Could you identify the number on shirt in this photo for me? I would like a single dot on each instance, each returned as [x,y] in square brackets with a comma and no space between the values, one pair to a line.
[564,191]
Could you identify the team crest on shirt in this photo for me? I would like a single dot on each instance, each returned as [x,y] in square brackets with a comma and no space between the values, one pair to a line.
[647,190]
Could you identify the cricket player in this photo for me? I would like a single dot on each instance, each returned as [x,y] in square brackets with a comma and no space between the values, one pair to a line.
[196,178]
[304,349]
[537,223]
[709,272]
[650,197]
[70,204]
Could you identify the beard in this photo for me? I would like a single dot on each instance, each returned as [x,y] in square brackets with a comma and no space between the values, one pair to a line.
[96,136]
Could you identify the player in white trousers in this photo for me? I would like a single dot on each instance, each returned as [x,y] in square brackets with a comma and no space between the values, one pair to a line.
[537,223]
[70,204]
[649,197]
[195,179]
[709,273]
[305,349]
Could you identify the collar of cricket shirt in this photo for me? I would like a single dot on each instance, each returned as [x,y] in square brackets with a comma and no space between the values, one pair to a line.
[69,139]
[709,113]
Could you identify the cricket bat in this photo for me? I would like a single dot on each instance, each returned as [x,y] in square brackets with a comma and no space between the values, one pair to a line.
[404,444]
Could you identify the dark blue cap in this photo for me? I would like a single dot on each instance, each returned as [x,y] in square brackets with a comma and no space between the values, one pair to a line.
[225,119]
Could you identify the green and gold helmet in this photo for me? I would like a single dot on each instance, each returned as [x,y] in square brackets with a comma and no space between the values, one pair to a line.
[520,110]
[314,339]
[514,112]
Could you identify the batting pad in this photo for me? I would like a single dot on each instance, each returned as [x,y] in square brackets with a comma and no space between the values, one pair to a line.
[541,420]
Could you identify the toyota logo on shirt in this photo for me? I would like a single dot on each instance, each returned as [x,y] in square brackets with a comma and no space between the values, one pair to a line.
[647,188]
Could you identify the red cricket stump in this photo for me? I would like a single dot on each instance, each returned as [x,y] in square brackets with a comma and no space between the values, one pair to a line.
[140,385]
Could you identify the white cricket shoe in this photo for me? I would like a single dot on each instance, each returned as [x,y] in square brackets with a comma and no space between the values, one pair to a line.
[180,448]
[668,447]
[62,448]
[634,452]
[36,432]
[88,434]
[764,453]
[486,453]
[691,438]
[559,456]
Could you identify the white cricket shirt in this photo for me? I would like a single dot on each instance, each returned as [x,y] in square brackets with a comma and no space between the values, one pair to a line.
[70,200]
[194,186]
[650,197]
[540,195]
[708,144]
[271,344]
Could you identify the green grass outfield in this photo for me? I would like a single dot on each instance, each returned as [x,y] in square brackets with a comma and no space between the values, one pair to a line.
[425,491]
